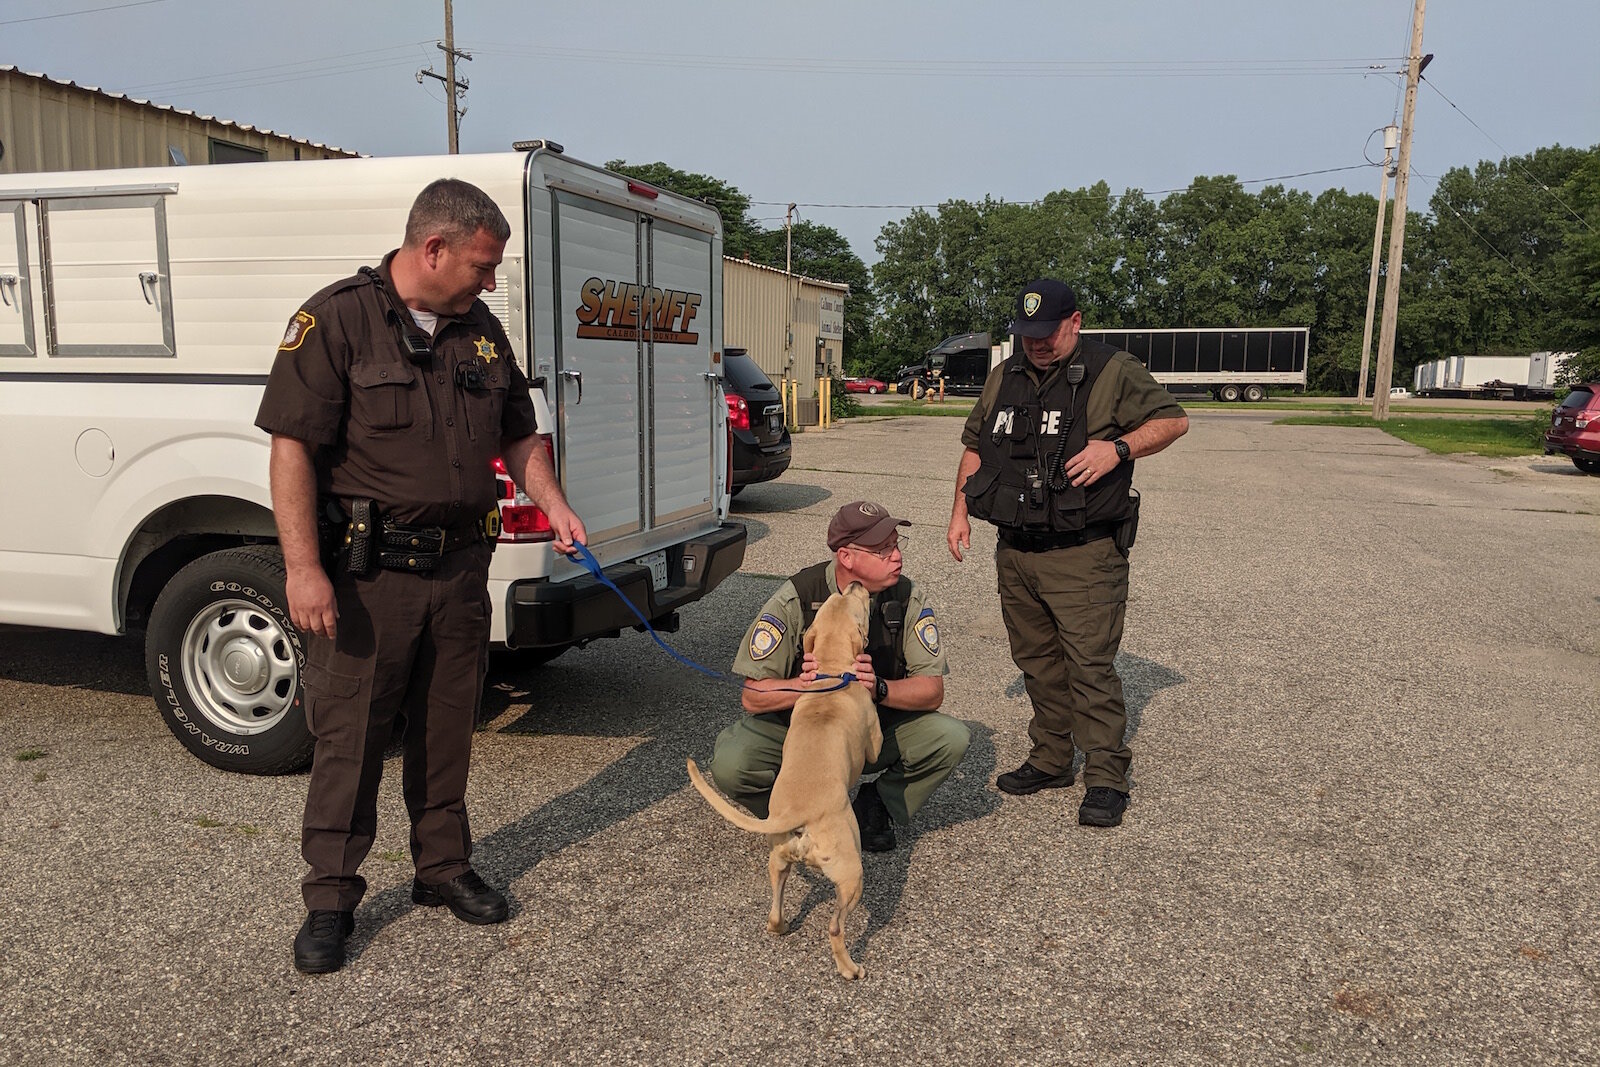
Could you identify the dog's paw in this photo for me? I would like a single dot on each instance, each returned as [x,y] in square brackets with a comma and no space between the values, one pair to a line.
[777,927]
[852,972]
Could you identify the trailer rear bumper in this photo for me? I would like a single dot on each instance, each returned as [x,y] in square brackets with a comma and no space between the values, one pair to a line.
[545,614]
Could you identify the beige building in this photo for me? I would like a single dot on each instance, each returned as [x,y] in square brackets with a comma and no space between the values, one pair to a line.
[47,124]
[792,326]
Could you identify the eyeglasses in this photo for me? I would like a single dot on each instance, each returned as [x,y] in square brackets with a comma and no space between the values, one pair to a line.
[885,552]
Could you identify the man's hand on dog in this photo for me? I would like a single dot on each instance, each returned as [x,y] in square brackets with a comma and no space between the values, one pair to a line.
[862,669]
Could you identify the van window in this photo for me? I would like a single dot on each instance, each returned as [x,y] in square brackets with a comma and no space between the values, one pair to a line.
[106,276]
[16,287]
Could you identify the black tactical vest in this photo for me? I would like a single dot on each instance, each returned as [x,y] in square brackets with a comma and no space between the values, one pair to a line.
[1021,481]
[886,620]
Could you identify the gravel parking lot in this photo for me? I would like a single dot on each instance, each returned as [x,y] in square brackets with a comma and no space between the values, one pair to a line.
[1363,830]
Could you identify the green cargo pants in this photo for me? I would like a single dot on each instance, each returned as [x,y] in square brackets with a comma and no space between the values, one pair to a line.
[920,749]
[1063,611]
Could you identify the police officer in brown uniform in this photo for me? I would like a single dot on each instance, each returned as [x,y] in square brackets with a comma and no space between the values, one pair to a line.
[1049,456]
[392,394]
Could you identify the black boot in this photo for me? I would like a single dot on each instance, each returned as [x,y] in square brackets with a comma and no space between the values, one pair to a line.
[319,946]
[1030,779]
[467,896]
[877,829]
[1102,806]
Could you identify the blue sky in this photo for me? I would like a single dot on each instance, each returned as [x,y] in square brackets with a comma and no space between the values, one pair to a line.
[865,103]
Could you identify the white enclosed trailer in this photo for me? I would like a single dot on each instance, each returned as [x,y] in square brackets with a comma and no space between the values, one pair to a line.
[140,311]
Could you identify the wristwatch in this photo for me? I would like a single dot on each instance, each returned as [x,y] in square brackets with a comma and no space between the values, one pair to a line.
[1121,446]
[881,691]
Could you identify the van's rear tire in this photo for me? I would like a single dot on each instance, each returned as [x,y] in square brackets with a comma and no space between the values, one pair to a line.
[224,663]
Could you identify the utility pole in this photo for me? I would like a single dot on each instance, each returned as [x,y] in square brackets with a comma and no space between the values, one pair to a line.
[788,271]
[1390,135]
[448,78]
[788,244]
[1415,61]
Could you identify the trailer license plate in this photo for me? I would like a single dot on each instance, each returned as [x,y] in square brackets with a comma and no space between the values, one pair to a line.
[657,562]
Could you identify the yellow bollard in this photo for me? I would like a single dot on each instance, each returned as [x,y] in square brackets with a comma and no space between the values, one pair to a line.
[824,402]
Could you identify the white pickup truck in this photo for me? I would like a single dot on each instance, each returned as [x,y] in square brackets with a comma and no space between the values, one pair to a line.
[140,311]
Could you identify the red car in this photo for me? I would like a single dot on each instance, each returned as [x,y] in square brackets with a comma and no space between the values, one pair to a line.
[864,385]
[1575,428]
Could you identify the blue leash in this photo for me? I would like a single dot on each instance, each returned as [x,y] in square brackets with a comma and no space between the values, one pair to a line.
[592,565]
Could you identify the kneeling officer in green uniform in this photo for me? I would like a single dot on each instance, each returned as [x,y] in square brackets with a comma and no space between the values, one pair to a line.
[903,667]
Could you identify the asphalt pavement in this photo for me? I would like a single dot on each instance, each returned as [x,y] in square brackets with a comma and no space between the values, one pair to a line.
[1361,683]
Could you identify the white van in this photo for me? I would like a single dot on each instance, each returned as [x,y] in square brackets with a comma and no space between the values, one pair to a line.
[140,311]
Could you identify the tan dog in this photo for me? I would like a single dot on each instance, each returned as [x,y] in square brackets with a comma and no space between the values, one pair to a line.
[832,736]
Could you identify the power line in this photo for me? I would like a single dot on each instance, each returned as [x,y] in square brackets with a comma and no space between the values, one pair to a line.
[206,80]
[961,68]
[85,11]
[1508,157]
[224,86]
[1081,196]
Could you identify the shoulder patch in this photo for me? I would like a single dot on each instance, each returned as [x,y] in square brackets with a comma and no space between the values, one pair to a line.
[766,637]
[927,631]
[299,326]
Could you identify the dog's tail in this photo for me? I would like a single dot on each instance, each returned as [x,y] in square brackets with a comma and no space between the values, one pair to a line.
[743,820]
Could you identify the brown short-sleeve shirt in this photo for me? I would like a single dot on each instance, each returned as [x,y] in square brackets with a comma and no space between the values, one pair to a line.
[1123,398]
[410,435]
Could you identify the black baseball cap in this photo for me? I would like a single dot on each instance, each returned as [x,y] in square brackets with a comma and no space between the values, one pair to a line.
[1041,306]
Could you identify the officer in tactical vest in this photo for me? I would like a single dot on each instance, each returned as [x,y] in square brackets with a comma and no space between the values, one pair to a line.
[903,667]
[1049,456]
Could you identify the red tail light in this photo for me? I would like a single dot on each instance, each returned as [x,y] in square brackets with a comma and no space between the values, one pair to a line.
[520,519]
[738,412]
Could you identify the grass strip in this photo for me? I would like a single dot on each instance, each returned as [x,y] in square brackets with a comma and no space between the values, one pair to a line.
[961,408]
[1482,437]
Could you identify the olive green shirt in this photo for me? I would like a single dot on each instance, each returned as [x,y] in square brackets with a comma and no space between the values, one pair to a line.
[1123,398]
[770,644]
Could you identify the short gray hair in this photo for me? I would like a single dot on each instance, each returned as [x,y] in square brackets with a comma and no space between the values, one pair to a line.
[455,210]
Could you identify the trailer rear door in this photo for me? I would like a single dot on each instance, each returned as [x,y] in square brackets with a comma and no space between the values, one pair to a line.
[632,291]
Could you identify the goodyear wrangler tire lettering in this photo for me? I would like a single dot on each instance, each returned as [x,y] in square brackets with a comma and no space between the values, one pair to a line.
[224,663]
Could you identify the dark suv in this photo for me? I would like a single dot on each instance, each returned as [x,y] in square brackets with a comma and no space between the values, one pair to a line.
[755,415]
[1575,428]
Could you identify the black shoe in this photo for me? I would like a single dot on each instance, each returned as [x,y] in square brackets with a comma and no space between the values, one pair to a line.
[319,946]
[1102,806]
[467,896]
[1030,779]
[877,829]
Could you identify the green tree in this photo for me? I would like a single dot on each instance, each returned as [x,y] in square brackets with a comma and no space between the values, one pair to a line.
[1575,283]
[739,231]
[817,251]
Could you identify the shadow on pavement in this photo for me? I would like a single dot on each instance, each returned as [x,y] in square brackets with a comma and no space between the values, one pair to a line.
[578,695]
[1142,679]
[75,660]
[778,496]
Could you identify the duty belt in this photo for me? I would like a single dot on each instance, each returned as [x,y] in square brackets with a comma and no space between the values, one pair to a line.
[1045,541]
[403,547]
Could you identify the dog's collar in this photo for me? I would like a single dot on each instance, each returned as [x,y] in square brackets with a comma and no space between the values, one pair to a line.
[844,679]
